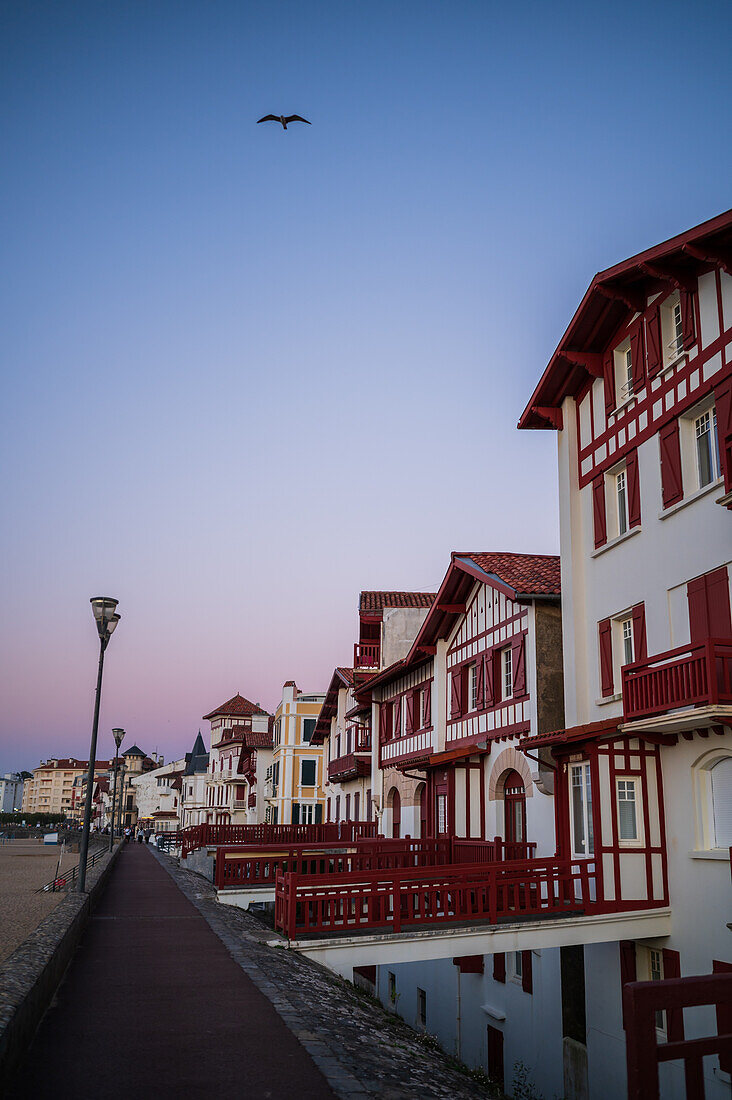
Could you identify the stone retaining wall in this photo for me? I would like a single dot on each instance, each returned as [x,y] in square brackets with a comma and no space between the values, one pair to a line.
[30,976]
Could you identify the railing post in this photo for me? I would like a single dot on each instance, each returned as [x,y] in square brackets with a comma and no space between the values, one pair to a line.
[498,848]
[712,680]
[397,904]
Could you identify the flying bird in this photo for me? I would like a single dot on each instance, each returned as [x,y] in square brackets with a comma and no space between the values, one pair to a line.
[284,119]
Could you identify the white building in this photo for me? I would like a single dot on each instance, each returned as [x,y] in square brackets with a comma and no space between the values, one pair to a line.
[193,786]
[158,797]
[11,792]
[640,393]
[227,791]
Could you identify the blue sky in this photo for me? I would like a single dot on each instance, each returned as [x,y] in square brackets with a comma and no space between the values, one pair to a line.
[247,373]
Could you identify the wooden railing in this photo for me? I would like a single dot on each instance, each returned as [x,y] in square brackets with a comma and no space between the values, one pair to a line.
[641,1002]
[259,865]
[348,767]
[356,902]
[366,654]
[693,675]
[212,836]
[488,851]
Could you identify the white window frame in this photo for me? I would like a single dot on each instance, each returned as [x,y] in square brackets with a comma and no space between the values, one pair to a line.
[516,967]
[582,771]
[710,416]
[630,781]
[620,493]
[623,366]
[507,673]
[672,346]
[653,965]
[620,625]
[473,687]
[690,473]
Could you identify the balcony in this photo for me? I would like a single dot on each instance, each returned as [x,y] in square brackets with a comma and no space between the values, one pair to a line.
[347,767]
[252,800]
[690,676]
[366,654]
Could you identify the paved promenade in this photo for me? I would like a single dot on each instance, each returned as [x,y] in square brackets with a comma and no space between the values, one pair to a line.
[154,1006]
[172,994]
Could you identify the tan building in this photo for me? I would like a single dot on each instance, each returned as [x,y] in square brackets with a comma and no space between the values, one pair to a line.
[294,787]
[50,790]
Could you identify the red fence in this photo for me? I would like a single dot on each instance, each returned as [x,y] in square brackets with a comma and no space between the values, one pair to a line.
[357,902]
[212,836]
[260,867]
[697,674]
[366,654]
[641,1001]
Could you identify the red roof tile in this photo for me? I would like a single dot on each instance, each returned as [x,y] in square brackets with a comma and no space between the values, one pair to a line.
[377,601]
[532,574]
[258,739]
[236,707]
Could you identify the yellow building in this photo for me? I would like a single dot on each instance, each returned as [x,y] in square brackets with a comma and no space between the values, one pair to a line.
[295,784]
[51,790]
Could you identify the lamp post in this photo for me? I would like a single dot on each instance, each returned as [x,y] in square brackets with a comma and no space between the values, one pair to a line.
[118,736]
[106,619]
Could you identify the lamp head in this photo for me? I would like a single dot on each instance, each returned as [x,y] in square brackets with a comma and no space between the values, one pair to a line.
[104,614]
[119,736]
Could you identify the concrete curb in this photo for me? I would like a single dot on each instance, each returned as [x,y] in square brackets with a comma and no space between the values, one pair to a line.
[30,976]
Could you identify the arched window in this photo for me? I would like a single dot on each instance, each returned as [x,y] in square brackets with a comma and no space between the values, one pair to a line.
[396,813]
[721,775]
[514,797]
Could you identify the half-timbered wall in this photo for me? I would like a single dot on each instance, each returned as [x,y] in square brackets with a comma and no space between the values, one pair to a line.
[672,537]
[631,872]
[492,623]
[398,740]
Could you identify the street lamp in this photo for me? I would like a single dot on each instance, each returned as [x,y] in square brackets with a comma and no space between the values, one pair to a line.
[106,619]
[118,736]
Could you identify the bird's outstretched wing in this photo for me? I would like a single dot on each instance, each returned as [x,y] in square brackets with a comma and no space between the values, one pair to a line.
[269,118]
[297,118]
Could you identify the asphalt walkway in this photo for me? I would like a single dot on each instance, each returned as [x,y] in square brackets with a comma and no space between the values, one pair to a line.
[154,1006]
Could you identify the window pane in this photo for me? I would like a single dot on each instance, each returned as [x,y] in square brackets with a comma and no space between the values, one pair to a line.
[308,773]
[626,810]
[722,803]
[622,504]
[578,817]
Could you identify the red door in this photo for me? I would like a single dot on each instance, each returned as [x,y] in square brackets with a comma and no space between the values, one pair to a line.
[514,797]
[495,1055]
[396,815]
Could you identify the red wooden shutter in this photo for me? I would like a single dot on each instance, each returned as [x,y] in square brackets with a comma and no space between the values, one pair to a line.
[653,340]
[428,704]
[397,709]
[674,1016]
[606,658]
[696,594]
[598,510]
[527,981]
[384,722]
[686,298]
[724,1016]
[488,688]
[608,371]
[480,677]
[627,966]
[723,403]
[495,1055]
[640,647]
[409,700]
[638,355]
[671,481]
[456,695]
[518,665]
[499,967]
[634,505]
[718,609]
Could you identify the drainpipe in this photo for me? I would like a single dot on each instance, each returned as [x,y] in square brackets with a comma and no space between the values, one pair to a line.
[458,1019]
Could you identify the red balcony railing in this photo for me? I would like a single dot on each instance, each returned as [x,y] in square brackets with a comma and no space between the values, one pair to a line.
[349,766]
[366,654]
[252,800]
[695,675]
[213,836]
[362,901]
[259,866]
